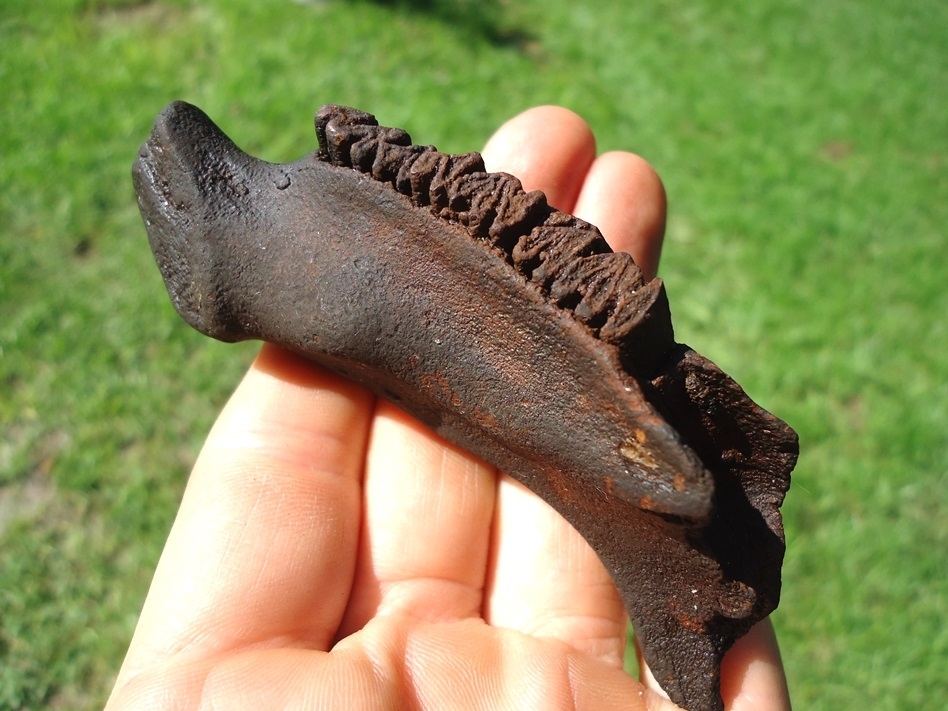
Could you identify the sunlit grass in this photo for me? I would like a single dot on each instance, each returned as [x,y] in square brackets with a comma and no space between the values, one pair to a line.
[803,147]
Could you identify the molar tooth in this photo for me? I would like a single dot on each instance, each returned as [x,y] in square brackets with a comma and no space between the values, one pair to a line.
[338,127]
[560,247]
[477,200]
[464,164]
[517,211]
[439,193]
[394,136]
[641,317]
[388,161]
[528,252]
[362,154]
[451,169]
[420,175]
[606,282]
[403,181]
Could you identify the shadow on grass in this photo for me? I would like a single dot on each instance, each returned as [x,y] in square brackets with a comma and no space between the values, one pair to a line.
[483,18]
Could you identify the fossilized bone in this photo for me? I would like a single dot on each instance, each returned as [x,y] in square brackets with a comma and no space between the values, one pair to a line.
[507,327]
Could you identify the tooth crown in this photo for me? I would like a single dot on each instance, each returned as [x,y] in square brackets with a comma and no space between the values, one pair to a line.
[565,257]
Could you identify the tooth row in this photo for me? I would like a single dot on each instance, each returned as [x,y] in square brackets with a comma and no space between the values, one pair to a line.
[564,256]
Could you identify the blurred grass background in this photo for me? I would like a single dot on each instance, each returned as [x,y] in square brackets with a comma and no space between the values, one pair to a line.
[803,146]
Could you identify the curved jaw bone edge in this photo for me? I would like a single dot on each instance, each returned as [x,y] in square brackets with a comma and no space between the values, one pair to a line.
[509,328]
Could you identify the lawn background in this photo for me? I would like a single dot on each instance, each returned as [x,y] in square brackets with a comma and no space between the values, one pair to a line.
[803,146]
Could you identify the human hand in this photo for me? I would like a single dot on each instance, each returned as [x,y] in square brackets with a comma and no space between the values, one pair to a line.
[331,552]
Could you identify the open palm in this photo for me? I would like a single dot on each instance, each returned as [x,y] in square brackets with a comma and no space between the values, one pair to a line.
[332,553]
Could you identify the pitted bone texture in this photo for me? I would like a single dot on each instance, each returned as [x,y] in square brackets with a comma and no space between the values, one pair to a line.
[567,258]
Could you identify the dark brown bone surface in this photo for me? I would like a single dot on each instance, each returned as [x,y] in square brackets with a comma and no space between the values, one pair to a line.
[509,328]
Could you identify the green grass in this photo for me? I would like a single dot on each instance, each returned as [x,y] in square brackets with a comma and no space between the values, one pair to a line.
[803,147]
